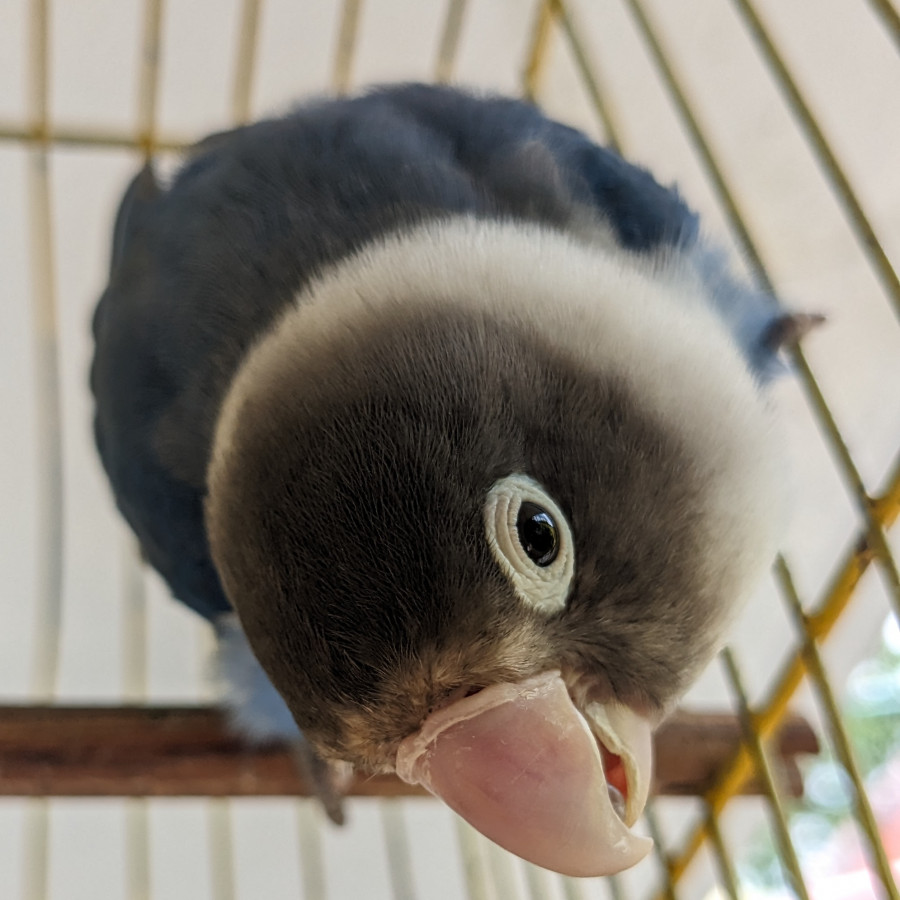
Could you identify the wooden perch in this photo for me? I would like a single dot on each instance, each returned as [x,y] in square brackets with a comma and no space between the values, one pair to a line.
[188,751]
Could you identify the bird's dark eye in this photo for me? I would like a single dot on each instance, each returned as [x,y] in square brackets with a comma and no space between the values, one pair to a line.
[531,540]
[538,534]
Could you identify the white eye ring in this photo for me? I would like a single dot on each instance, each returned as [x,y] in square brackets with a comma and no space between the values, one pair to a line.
[544,588]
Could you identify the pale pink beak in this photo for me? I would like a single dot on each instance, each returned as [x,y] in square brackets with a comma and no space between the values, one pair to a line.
[521,764]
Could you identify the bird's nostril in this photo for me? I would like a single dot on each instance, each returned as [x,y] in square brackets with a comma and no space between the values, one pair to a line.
[454,696]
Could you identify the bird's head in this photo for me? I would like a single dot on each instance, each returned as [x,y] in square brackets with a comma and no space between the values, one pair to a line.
[484,501]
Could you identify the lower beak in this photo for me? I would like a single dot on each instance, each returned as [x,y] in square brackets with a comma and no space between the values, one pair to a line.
[522,765]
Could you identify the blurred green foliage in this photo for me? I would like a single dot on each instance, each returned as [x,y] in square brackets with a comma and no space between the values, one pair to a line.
[872,719]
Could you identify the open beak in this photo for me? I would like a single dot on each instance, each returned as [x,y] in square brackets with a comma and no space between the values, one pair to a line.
[521,764]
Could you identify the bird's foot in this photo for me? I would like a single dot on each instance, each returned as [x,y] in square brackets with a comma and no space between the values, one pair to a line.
[327,779]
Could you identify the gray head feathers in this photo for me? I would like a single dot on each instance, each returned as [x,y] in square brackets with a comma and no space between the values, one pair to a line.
[360,438]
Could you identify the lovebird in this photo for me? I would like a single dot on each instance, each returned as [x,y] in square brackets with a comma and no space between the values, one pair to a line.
[457,429]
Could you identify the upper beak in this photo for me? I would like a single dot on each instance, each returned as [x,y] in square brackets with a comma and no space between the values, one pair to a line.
[521,764]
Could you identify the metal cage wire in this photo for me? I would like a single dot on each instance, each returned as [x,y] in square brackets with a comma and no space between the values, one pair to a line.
[554,26]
